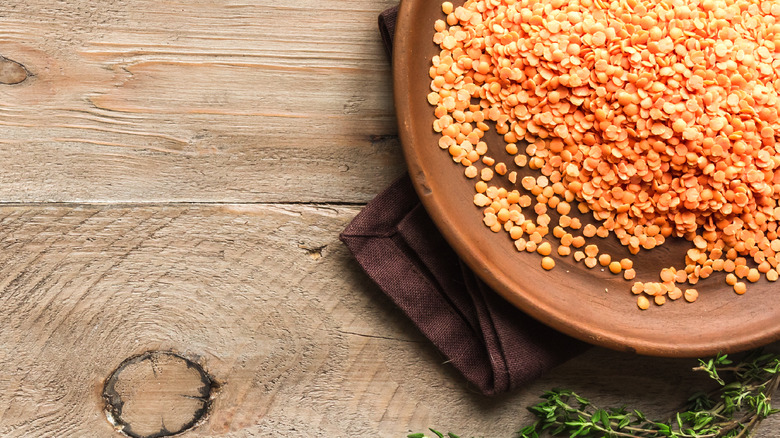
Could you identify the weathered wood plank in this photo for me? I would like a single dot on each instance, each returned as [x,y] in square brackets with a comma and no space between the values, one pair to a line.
[267,300]
[263,297]
[238,101]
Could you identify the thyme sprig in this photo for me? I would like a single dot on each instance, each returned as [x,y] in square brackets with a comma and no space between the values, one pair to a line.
[733,410]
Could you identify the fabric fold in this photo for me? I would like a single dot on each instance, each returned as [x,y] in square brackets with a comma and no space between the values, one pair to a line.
[490,342]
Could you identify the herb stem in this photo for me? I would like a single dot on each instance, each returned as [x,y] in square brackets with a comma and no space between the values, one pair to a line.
[733,410]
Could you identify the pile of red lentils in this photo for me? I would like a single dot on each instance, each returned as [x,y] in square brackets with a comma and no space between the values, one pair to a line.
[657,117]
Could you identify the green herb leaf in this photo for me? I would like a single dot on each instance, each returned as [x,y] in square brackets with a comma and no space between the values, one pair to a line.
[734,410]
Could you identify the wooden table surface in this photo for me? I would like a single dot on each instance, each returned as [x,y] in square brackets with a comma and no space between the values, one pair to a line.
[175,176]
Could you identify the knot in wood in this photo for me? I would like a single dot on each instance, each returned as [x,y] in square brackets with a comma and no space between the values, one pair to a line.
[11,72]
[157,394]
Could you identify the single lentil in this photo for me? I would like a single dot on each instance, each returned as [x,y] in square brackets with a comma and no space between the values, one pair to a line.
[642,302]
[544,248]
[691,295]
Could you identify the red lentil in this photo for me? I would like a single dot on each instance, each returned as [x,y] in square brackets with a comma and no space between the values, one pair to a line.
[675,294]
[660,123]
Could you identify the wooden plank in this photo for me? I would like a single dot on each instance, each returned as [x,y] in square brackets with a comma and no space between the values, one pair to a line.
[263,297]
[270,304]
[238,101]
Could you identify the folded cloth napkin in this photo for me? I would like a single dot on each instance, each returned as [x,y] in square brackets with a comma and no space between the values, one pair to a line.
[490,342]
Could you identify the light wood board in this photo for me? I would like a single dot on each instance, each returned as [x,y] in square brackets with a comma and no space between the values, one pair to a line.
[241,101]
[266,300]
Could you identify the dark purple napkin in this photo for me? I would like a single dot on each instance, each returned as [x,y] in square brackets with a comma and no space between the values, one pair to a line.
[495,346]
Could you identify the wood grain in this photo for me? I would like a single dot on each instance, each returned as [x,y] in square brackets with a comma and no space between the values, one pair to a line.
[267,300]
[202,101]
[263,297]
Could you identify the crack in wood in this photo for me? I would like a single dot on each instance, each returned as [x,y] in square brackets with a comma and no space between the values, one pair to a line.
[315,253]
[82,204]
[388,338]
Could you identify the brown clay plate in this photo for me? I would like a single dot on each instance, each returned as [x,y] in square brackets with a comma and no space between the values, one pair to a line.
[590,304]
